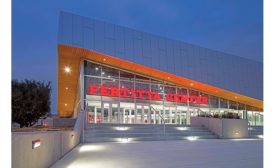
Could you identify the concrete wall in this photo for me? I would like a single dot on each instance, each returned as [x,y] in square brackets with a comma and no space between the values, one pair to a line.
[235,128]
[224,128]
[54,144]
[64,122]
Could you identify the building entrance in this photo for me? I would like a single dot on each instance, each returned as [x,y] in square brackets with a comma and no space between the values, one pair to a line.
[131,113]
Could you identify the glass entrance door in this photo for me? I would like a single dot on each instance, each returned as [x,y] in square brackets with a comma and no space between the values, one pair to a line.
[110,113]
[94,112]
[142,116]
[182,115]
[170,114]
[156,114]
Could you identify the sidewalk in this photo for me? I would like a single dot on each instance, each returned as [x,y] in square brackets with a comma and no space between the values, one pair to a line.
[167,154]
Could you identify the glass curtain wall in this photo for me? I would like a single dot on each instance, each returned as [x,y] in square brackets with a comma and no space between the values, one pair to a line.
[117,96]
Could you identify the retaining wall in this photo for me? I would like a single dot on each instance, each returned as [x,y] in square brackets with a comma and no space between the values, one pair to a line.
[224,128]
[54,145]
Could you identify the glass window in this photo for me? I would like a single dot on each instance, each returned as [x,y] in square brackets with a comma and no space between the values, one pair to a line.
[126,76]
[110,82]
[170,89]
[88,81]
[144,87]
[182,91]
[142,78]
[214,101]
[127,84]
[206,106]
[233,105]
[156,81]
[92,69]
[109,72]
[241,106]
[192,98]
[223,103]
[241,109]
[159,89]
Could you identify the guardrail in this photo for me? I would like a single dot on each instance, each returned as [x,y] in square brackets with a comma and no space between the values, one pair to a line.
[162,118]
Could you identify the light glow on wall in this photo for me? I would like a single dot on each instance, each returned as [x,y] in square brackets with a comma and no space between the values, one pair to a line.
[182,128]
[192,138]
[124,140]
[121,128]
[67,69]
[89,148]
[36,143]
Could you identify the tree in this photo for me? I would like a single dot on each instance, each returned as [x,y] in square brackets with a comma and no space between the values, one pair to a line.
[30,101]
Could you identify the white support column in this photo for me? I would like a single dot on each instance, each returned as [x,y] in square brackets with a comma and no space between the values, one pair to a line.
[123,116]
[81,88]
[170,115]
[95,114]
[188,110]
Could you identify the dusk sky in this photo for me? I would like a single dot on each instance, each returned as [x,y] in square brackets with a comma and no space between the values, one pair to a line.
[231,26]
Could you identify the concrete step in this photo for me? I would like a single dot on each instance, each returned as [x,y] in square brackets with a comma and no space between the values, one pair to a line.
[139,126]
[144,132]
[140,134]
[256,136]
[149,138]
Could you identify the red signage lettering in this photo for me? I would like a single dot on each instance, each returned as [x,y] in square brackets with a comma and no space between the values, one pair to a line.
[144,94]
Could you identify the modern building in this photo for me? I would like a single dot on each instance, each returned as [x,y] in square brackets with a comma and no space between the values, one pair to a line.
[121,75]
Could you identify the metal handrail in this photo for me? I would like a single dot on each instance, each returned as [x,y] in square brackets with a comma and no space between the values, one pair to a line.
[162,118]
[249,128]
[84,124]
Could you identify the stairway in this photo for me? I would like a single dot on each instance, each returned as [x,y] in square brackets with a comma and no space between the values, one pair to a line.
[255,131]
[144,132]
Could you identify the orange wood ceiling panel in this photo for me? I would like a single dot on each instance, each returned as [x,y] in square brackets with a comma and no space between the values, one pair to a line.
[71,56]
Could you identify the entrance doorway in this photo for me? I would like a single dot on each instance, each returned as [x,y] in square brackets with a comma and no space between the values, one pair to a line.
[110,112]
[143,115]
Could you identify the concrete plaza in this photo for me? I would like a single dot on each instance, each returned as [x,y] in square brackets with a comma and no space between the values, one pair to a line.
[217,153]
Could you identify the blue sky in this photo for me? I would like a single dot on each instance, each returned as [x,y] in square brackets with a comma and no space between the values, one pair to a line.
[231,26]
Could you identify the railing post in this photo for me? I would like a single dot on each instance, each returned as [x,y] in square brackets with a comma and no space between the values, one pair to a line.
[164,131]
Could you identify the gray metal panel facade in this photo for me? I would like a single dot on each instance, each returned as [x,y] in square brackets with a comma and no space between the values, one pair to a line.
[208,66]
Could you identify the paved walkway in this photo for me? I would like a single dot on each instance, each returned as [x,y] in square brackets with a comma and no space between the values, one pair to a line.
[167,154]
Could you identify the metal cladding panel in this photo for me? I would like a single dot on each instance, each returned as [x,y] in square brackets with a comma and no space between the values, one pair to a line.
[208,66]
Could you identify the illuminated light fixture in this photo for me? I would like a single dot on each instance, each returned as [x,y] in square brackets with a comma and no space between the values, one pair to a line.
[181,128]
[103,73]
[65,104]
[88,148]
[104,59]
[67,69]
[192,138]
[260,136]
[168,77]
[123,140]
[109,76]
[243,139]
[191,84]
[96,68]
[114,80]
[121,128]
[236,97]
[36,143]
[66,88]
